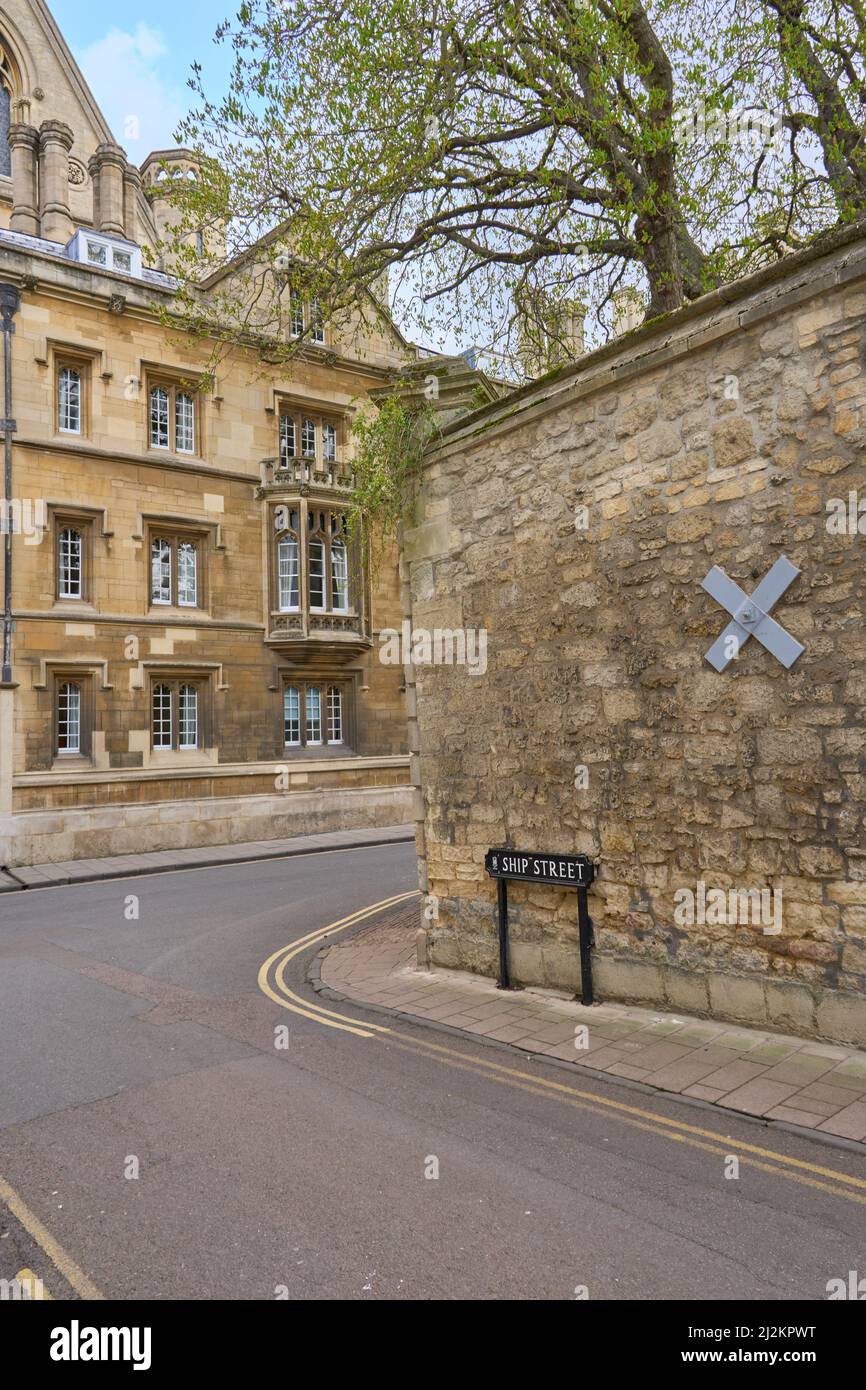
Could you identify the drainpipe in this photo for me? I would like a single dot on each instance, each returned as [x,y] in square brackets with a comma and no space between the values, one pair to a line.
[10,301]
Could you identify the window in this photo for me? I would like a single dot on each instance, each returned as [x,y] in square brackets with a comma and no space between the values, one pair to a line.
[292,716]
[174,570]
[172,422]
[329,562]
[335,714]
[176,715]
[288,567]
[288,440]
[69,717]
[314,714]
[5,116]
[159,437]
[317,332]
[72,552]
[308,437]
[97,253]
[326,552]
[317,572]
[69,400]
[73,714]
[305,313]
[70,566]
[339,574]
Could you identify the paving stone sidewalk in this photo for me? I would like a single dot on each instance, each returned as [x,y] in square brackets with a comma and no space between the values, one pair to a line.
[811,1085]
[210,856]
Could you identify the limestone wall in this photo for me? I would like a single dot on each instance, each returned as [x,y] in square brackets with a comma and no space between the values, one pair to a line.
[719,436]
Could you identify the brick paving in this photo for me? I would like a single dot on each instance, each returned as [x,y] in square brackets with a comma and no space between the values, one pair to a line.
[813,1085]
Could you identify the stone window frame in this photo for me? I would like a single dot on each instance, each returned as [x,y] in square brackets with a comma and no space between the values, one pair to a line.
[324,680]
[175,381]
[175,677]
[175,532]
[82,676]
[81,362]
[63,518]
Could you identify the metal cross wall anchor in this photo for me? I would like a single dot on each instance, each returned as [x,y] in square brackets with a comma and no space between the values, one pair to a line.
[750,616]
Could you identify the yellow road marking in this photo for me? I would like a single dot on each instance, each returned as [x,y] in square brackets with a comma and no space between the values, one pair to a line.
[720,1143]
[34,1288]
[71,1272]
[649,1120]
[287,998]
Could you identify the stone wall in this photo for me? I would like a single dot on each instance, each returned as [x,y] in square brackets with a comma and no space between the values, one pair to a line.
[716,436]
[50,837]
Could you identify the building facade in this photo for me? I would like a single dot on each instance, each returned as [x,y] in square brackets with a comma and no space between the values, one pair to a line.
[191,648]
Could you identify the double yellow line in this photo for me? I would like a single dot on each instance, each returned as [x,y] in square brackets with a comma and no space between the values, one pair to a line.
[274,969]
[273,983]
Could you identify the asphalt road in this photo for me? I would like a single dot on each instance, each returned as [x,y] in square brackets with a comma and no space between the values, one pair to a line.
[143,1043]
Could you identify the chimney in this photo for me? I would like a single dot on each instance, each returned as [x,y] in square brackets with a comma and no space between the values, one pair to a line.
[55,141]
[107,168]
[24,146]
[628,311]
[550,333]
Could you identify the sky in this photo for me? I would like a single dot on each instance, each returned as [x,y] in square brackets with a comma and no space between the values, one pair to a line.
[137,61]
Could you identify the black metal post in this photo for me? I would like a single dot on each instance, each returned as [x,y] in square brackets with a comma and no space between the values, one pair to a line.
[10,300]
[587,938]
[502,898]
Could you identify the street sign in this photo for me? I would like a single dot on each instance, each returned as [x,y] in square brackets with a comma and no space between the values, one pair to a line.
[557,871]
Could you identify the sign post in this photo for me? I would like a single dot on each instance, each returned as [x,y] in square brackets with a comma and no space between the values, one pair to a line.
[559,871]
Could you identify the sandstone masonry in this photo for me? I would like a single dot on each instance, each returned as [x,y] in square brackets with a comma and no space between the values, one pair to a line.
[720,435]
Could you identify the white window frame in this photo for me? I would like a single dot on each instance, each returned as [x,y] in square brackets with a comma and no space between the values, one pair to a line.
[71,721]
[159,425]
[288,573]
[70,558]
[69,402]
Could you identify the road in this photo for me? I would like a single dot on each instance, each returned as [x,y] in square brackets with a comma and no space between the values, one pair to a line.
[136,1040]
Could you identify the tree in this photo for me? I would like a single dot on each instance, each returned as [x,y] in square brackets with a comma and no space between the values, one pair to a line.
[499,156]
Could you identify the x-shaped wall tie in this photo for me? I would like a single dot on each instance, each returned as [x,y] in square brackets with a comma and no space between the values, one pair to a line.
[750,616]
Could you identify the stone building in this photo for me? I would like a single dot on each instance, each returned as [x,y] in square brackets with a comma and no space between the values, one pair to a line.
[574,524]
[190,635]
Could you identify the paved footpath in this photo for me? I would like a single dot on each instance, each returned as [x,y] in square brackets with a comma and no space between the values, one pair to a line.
[806,1085]
[210,856]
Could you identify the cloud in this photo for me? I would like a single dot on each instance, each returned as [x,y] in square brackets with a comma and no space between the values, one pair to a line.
[140,104]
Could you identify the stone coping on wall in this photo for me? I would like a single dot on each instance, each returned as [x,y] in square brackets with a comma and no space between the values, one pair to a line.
[718,314]
[210,770]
